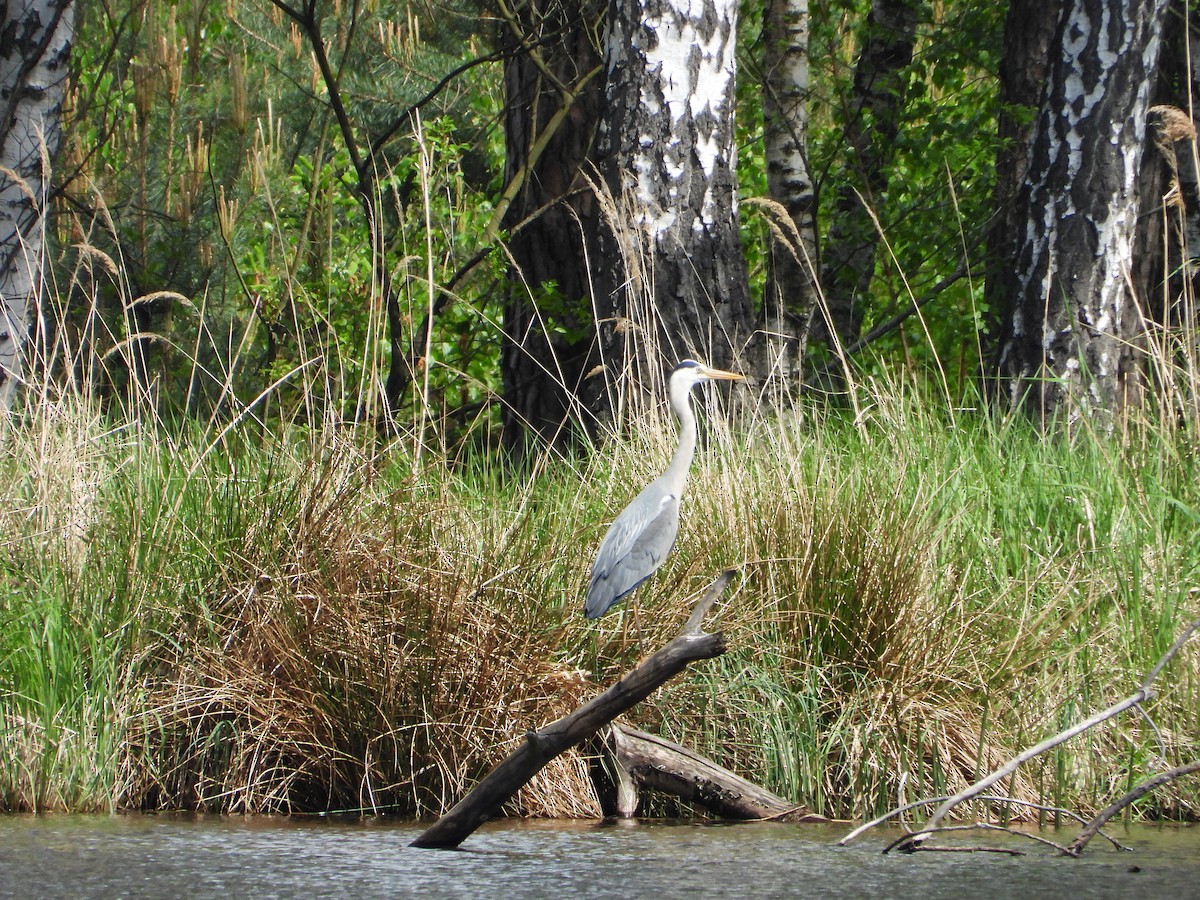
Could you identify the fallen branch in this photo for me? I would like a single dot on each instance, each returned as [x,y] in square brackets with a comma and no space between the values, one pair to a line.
[911,842]
[541,746]
[978,826]
[986,798]
[646,761]
[1076,846]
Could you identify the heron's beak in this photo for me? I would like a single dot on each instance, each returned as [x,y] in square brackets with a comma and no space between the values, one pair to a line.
[722,375]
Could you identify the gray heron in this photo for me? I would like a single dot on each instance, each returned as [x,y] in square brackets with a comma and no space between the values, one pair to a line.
[640,538]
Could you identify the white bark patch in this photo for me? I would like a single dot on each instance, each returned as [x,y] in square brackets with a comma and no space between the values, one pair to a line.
[689,60]
[787,100]
[1074,280]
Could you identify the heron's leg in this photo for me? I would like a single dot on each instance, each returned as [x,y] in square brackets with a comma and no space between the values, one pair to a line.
[594,647]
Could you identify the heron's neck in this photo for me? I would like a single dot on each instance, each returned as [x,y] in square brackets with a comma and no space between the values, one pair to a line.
[676,475]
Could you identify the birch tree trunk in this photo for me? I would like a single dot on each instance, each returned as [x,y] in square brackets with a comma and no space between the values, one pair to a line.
[1029,32]
[35,45]
[880,81]
[791,292]
[672,280]
[1070,338]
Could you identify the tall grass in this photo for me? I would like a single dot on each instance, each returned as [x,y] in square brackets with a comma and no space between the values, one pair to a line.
[252,614]
[297,620]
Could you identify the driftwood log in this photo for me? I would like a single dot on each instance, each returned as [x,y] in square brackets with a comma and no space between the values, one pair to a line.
[645,760]
[541,746]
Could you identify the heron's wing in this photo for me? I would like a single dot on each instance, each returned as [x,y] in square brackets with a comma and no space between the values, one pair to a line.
[635,546]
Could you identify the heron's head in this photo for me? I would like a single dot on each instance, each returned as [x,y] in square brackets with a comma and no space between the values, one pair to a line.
[689,373]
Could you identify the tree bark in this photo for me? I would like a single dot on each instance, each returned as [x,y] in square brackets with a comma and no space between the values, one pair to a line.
[671,281]
[791,291]
[548,328]
[1168,234]
[1072,325]
[1029,31]
[1167,241]
[35,47]
[880,81]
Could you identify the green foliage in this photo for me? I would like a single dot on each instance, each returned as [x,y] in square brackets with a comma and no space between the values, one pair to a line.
[204,160]
[240,196]
[940,171]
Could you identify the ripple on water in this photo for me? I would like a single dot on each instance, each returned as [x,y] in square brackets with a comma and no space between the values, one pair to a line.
[156,856]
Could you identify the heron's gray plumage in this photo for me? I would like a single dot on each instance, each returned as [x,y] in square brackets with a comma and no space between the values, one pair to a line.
[640,538]
[636,545]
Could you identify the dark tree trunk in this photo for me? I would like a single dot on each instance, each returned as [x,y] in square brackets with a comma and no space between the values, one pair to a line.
[35,47]
[791,291]
[872,123]
[1168,234]
[671,282]
[1070,335]
[548,326]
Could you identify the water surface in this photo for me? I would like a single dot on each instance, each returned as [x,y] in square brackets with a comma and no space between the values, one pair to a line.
[180,856]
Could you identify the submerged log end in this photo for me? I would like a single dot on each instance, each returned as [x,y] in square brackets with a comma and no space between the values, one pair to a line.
[448,832]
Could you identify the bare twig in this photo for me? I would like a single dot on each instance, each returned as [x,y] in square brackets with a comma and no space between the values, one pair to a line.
[714,590]
[1007,851]
[979,826]
[911,842]
[1166,657]
[403,118]
[1076,846]
[987,798]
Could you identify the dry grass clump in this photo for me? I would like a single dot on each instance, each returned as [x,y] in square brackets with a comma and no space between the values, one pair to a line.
[366,656]
[59,655]
[54,467]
